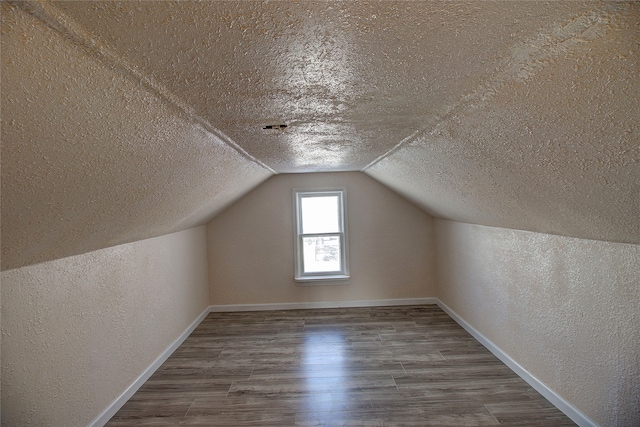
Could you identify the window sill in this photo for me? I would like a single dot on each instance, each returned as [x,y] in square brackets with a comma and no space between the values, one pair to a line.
[335,279]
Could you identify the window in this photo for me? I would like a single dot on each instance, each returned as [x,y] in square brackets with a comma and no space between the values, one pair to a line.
[321,237]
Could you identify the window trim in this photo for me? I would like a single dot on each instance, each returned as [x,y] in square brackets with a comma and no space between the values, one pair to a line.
[338,277]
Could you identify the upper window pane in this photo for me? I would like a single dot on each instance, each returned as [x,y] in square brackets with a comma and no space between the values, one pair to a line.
[320,214]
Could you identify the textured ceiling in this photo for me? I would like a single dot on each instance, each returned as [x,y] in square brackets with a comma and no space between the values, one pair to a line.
[551,143]
[127,120]
[349,79]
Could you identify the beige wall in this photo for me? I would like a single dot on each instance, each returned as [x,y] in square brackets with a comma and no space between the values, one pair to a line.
[565,309]
[250,244]
[76,332]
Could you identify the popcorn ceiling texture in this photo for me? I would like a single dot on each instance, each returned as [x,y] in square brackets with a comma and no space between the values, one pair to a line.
[127,120]
[91,159]
[77,332]
[554,147]
[350,79]
[567,310]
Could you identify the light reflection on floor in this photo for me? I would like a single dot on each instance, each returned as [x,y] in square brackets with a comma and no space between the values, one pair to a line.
[326,377]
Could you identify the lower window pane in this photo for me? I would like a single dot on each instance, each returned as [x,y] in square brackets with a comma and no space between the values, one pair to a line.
[321,254]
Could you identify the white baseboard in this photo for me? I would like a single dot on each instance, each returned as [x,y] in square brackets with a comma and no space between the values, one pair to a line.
[328,304]
[578,417]
[569,410]
[115,406]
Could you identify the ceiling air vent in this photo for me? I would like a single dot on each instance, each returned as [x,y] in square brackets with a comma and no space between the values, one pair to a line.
[280,127]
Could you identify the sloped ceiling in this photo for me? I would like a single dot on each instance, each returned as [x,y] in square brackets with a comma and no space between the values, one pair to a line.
[127,120]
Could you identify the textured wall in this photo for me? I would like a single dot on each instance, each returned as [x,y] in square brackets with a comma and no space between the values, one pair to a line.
[92,158]
[251,254]
[76,332]
[565,309]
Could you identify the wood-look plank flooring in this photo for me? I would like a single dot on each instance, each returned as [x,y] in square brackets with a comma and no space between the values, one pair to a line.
[379,366]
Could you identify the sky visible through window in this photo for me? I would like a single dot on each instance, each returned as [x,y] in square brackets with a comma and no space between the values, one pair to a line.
[320,215]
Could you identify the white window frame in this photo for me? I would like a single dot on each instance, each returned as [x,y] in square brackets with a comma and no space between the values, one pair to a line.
[332,277]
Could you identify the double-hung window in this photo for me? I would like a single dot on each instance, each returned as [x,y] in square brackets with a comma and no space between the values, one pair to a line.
[321,236]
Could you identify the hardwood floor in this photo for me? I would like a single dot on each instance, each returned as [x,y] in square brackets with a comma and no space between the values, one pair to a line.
[381,366]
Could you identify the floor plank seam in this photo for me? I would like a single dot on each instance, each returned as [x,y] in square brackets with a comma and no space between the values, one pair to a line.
[230,387]
[190,406]
[336,367]
[441,355]
[497,420]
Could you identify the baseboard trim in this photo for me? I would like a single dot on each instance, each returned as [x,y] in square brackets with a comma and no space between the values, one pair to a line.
[576,415]
[569,410]
[327,304]
[115,406]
